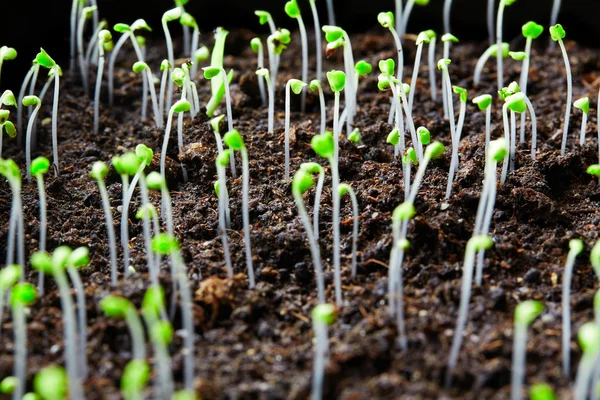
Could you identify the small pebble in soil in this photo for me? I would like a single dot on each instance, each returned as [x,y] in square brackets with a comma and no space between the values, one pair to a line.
[498,298]
[302,273]
[532,276]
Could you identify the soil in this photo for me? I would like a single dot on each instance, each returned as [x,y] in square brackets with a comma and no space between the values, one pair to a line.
[258,343]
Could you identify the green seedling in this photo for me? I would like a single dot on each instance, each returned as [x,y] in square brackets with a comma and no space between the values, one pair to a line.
[315,86]
[9,276]
[52,383]
[200,55]
[423,38]
[431,63]
[38,168]
[91,53]
[6,54]
[22,295]
[264,73]
[408,11]
[455,141]
[541,391]
[221,163]
[121,308]
[388,21]
[30,79]
[104,42]
[323,315]
[476,244]
[315,168]
[98,172]
[141,67]
[293,11]
[6,126]
[46,61]
[447,88]
[12,173]
[583,104]
[297,87]
[447,39]
[484,103]
[179,107]
[27,102]
[170,16]
[318,46]
[497,151]
[525,313]
[589,341]
[355,136]
[345,188]
[234,140]
[530,31]
[554,19]
[276,43]
[499,55]
[557,33]
[134,379]
[575,248]
[165,67]
[257,47]
[84,15]
[216,72]
[491,51]
[181,77]
[264,17]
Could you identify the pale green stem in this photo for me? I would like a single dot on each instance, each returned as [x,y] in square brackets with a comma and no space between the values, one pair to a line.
[30,125]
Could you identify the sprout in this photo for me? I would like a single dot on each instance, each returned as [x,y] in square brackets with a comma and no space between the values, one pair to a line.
[38,168]
[407,11]
[354,136]
[27,102]
[491,51]
[387,20]
[221,162]
[22,295]
[326,146]
[447,39]
[497,151]
[165,67]
[301,183]
[476,244]
[431,63]
[188,21]
[385,81]
[30,78]
[575,248]
[525,313]
[323,315]
[121,308]
[558,33]
[499,55]
[293,11]
[318,46]
[276,43]
[588,336]
[56,266]
[104,41]
[85,14]
[484,103]
[422,38]
[47,62]
[345,188]
[170,16]
[541,391]
[297,87]
[200,55]
[264,17]
[12,173]
[583,104]
[178,107]
[455,140]
[51,383]
[6,53]
[6,125]
[264,73]
[337,83]
[447,88]
[134,379]
[315,168]
[9,276]
[315,86]
[91,54]
[530,31]
[234,140]
[181,77]
[160,333]
[141,67]
[554,19]
[257,47]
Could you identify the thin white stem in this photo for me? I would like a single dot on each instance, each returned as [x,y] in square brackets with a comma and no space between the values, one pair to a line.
[523,81]
[43,226]
[55,122]
[507,137]
[74,7]
[110,228]
[554,19]
[513,139]
[566,311]
[304,41]
[518,360]
[124,224]
[81,321]
[150,259]
[321,350]
[318,45]
[16,188]
[158,118]
[405,17]
[488,211]
[455,143]
[450,105]
[415,75]
[229,117]
[12,228]
[136,330]
[286,176]
[399,50]
[171,59]
[488,123]
[20,348]
[163,359]
[411,125]
[354,227]
[83,68]
[271,112]
[30,125]
[336,228]
[93,45]
[163,154]
[163,88]
[27,79]
[261,83]
[330,12]
[336,113]
[490,20]
[584,374]
[447,8]
[98,88]
[499,61]
[246,215]
[323,110]
[111,66]
[222,226]
[349,90]
[432,67]
[583,129]
[533,126]
[318,192]
[481,63]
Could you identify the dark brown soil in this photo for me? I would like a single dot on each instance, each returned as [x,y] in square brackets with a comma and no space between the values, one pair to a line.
[258,343]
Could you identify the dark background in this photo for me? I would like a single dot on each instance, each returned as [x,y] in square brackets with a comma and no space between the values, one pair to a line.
[27,25]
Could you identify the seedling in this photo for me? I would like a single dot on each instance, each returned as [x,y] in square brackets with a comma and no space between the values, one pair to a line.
[447,39]
[491,51]
[422,38]
[484,103]
[525,313]
[85,14]
[38,168]
[134,379]
[447,88]
[12,173]
[202,54]
[554,19]
[476,244]
[264,17]
[216,72]
[315,168]
[575,248]
[345,188]
[160,333]
[293,11]
[264,73]
[499,21]
[91,53]
[178,107]
[56,265]
[7,99]
[325,145]
[297,87]
[28,80]
[142,67]
[27,102]
[431,63]
[530,31]
[584,105]
[257,47]
[47,62]
[387,81]
[301,183]
[407,12]
[588,336]
[323,315]
[221,163]
[121,308]
[234,140]
[189,22]
[6,53]
[104,43]
[276,43]
[387,20]
[315,86]
[337,83]
[557,34]
[355,136]
[52,383]
[22,295]
[541,391]
[456,140]
[170,16]
[9,276]
[318,46]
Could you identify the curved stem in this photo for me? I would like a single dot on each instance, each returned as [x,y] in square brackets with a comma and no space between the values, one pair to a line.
[30,124]
[533,126]
[136,330]
[304,42]
[406,16]
[400,66]
[336,229]
[481,63]
[83,68]
[171,59]
[20,100]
